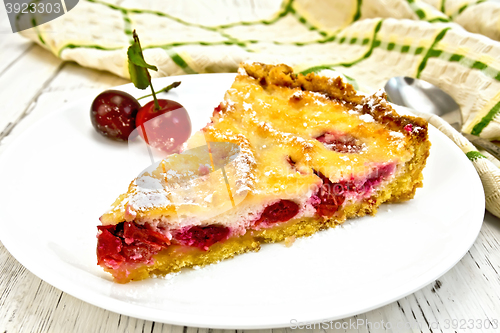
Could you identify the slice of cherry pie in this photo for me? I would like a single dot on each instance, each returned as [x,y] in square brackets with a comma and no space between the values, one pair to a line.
[285,156]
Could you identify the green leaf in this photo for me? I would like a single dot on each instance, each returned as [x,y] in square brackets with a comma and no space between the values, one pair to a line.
[138,75]
[137,66]
[135,56]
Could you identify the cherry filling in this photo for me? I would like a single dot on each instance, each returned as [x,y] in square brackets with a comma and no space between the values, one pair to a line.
[217,110]
[340,142]
[331,197]
[108,249]
[281,211]
[202,237]
[291,162]
[408,128]
[132,243]
[379,175]
[128,242]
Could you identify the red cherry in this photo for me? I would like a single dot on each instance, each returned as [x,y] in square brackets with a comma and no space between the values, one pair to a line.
[165,129]
[342,143]
[113,114]
[331,196]
[281,211]
[126,242]
[202,237]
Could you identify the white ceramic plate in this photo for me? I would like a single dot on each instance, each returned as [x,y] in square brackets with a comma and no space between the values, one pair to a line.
[60,176]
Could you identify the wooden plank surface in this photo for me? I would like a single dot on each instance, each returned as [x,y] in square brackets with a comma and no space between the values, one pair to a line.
[34,84]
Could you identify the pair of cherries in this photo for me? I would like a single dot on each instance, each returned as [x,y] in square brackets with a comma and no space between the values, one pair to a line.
[116,114]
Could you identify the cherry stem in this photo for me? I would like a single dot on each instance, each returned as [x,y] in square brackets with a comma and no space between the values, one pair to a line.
[166,89]
[157,105]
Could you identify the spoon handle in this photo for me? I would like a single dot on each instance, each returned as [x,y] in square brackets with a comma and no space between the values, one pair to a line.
[491,148]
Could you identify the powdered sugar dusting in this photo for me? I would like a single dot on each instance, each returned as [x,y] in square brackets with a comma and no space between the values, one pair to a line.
[148,184]
[397,135]
[367,118]
[149,193]
[242,71]
[376,99]
[245,163]
[208,198]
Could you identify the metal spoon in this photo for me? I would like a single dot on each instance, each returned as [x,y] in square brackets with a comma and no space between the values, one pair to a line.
[425,97]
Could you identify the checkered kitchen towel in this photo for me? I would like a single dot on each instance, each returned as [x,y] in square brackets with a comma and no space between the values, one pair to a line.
[450,43]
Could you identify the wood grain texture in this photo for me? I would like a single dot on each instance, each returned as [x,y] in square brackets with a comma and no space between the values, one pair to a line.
[34,84]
